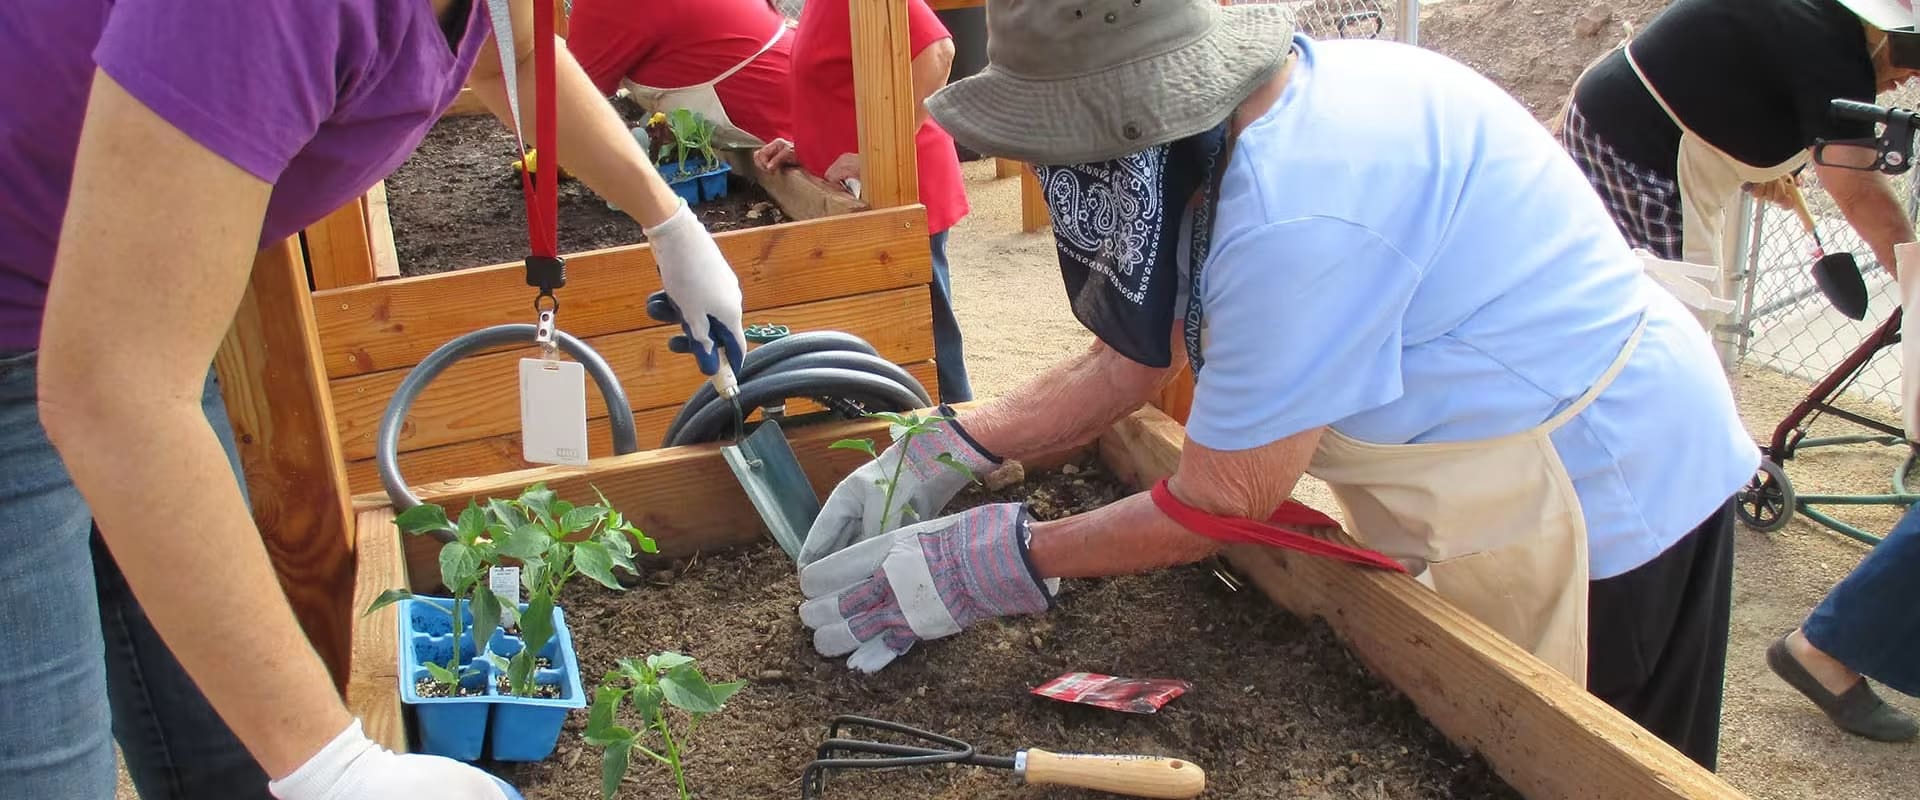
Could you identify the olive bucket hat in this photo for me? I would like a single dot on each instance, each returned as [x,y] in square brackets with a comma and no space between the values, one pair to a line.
[1078,81]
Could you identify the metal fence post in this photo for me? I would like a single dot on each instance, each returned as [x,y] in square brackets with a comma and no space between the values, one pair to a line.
[1410,21]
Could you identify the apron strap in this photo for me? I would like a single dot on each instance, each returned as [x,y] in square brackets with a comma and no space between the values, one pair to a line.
[1605,379]
[777,33]
[1239,530]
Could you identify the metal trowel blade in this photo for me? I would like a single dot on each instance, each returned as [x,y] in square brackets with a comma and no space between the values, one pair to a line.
[767,469]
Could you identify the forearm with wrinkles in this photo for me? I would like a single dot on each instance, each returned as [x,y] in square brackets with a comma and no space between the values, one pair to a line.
[1069,405]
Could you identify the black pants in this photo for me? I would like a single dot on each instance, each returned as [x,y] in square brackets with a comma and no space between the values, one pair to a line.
[1657,639]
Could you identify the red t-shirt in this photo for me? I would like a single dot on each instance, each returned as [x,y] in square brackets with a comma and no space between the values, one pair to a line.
[826,123]
[674,43]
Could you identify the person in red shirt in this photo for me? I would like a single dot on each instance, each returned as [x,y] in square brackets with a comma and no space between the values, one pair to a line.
[726,59]
[826,142]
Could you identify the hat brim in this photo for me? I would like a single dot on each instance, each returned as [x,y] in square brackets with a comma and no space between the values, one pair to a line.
[1886,15]
[1089,117]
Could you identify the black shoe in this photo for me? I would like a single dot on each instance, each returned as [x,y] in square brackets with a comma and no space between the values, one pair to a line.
[1857,710]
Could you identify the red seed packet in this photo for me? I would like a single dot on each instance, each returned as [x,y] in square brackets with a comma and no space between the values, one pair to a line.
[1130,695]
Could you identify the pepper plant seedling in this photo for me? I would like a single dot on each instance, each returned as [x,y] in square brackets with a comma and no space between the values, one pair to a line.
[901,428]
[554,540]
[663,679]
[463,561]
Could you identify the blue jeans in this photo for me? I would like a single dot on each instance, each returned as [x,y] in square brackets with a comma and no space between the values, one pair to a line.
[948,353]
[80,662]
[1871,620]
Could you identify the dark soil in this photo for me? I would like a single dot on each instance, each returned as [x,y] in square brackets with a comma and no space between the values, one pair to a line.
[1278,708]
[457,202]
[544,691]
[428,687]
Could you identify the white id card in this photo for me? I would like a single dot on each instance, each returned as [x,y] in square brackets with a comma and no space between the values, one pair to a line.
[553,411]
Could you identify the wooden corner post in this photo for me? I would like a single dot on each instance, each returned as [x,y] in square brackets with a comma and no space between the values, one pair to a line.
[883,95]
[276,393]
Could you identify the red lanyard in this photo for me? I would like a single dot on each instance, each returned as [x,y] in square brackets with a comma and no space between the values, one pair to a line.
[543,190]
[1239,530]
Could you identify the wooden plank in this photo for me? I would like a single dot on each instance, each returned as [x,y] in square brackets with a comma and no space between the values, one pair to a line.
[283,422]
[1543,734]
[386,258]
[1176,396]
[338,251]
[1033,203]
[801,194]
[1007,168]
[393,324]
[950,5]
[478,397]
[496,454]
[883,97]
[373,686]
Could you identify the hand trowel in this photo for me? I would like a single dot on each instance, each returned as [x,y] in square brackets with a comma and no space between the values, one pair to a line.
[1836,274]
[763,462]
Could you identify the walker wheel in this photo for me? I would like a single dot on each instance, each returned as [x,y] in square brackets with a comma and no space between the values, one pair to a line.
[1766,504]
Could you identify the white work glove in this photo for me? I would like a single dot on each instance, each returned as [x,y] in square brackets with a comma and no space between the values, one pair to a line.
[925,581]
[853,511]
[353,767]
[701,283]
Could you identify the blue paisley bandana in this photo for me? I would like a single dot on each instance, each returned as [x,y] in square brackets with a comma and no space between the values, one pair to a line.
[1116,226]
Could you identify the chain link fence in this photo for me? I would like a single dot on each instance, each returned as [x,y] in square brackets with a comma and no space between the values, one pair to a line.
[1783,323]
[1351,19]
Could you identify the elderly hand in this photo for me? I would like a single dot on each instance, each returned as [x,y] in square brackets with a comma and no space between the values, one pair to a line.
[843,169]
[353,767]
[855,510]
[775,156]
[925,581]
[702,285]
[1775,191]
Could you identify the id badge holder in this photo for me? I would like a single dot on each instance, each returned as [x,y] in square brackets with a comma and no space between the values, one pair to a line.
[553,404]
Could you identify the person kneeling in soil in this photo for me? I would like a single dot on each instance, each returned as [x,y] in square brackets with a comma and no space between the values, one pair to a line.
[826,142]
[1866,626]
[726,59]
[151,149]
[1384,273]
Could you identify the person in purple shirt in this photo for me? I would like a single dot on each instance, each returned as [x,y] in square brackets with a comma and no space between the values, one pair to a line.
[148,150]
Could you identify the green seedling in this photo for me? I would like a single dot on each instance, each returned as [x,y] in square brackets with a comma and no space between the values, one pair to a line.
[463,563]
[901,428]
[552,539]
[662,680]
[681,131]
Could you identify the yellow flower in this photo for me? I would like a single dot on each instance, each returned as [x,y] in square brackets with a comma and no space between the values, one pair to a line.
[657,118]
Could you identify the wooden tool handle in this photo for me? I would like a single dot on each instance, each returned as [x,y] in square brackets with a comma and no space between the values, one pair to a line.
[1134,776]
[1799,203]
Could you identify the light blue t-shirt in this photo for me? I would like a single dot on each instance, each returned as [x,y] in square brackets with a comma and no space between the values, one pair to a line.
[1403,253]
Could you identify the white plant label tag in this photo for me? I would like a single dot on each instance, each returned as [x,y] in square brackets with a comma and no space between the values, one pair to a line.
[553,411]
[505,582]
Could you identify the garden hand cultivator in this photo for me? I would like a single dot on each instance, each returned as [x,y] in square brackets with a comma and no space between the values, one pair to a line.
[1130,775]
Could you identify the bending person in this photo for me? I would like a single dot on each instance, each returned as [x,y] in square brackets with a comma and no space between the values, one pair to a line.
[151,151]
[726,59]
[1385,274]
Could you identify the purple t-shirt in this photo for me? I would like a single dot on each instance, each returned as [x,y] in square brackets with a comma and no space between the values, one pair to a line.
[322,98]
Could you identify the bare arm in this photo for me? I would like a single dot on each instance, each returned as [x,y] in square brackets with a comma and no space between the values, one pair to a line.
[594,142]
[1068,405]
[158,238]
[930,71]
[1132,535]
[1868,201]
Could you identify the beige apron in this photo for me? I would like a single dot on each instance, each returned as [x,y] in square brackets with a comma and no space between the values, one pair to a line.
[1710,185]
[1493,525]
[1907,256]
[702,98]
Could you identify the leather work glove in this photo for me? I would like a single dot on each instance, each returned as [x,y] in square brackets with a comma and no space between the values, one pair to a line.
[353,767]
[925,581]
[852,513]
[702,285]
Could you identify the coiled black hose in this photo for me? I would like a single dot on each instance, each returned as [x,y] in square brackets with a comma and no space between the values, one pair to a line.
[840,370]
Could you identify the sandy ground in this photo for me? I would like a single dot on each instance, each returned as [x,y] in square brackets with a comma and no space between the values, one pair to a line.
[1775,745]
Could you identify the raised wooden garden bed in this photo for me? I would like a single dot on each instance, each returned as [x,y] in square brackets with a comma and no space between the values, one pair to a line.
[1347,688]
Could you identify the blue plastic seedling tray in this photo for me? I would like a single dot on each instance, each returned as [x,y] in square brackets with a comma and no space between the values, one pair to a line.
[511,728]
[697,187]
